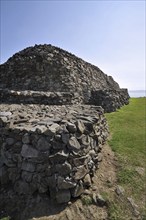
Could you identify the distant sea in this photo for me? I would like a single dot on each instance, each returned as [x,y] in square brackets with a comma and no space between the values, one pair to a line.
[137,93]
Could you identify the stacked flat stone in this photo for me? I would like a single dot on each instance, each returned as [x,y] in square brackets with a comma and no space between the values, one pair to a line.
[65,78]
[51,149]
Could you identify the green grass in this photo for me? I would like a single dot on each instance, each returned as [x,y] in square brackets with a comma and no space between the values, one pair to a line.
[128,141]
[86,200]
[127,127]
[5,218]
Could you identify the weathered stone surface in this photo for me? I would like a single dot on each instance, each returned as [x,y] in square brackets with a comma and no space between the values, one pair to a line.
[4,179]
[65,183]
[26,139]
[119,190]
[4,114]
[78,190]
[99,200]
[73,144]
[63,196]
[36,71]
[65,138]
[59,157]
[43,144]
[30,167]
[63,169]
[28,151]
[71,127]
[62,159]
[81,172]
[10,141]
[87,180]
[134,207]
[21,187]
[80,126]
[26,176]
[52,129]
[51,181]
[80,160]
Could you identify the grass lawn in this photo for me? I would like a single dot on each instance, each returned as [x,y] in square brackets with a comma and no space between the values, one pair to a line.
[128,141]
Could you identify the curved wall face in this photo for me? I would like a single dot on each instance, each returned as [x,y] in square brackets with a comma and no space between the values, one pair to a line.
[52,149]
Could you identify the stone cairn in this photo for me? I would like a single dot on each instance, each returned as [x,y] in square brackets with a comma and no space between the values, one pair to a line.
[48,75]
[52,129]
[53,149]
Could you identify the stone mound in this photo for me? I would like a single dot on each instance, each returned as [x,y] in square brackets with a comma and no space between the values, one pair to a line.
[49,75]
[52,124]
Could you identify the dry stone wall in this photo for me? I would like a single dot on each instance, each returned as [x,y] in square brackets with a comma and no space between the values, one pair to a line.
[50,149]
[45,68]
[110,100]
[52,129]
[38,97]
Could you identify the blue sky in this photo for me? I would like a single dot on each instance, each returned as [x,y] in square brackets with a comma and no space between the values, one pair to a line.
[109,34]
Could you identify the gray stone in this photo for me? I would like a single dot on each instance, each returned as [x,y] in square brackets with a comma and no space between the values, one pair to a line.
[40,129]
[65,138]
[87,180]
[21,187]
[100,157]
[9,162]
[73,144]
[42,188]
[80,126]
[48,170]
[80,160]
[5,114]
[17,158]
[58,137]
[99,200]
[71,127]
[28,151]
[78,190]
[119,190]
[80,173]
[85,140]
[58,145]
[41,167]
[92,153]
[134,207]
[51,131]
[10,141]
[63,196]
[140,170]
[30,167]
[43,144]
[2,161]
[14,174]
[26,139]
[26,176]
[4,178]
[51,181]
[63,169]
[65,183]
[59,157]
